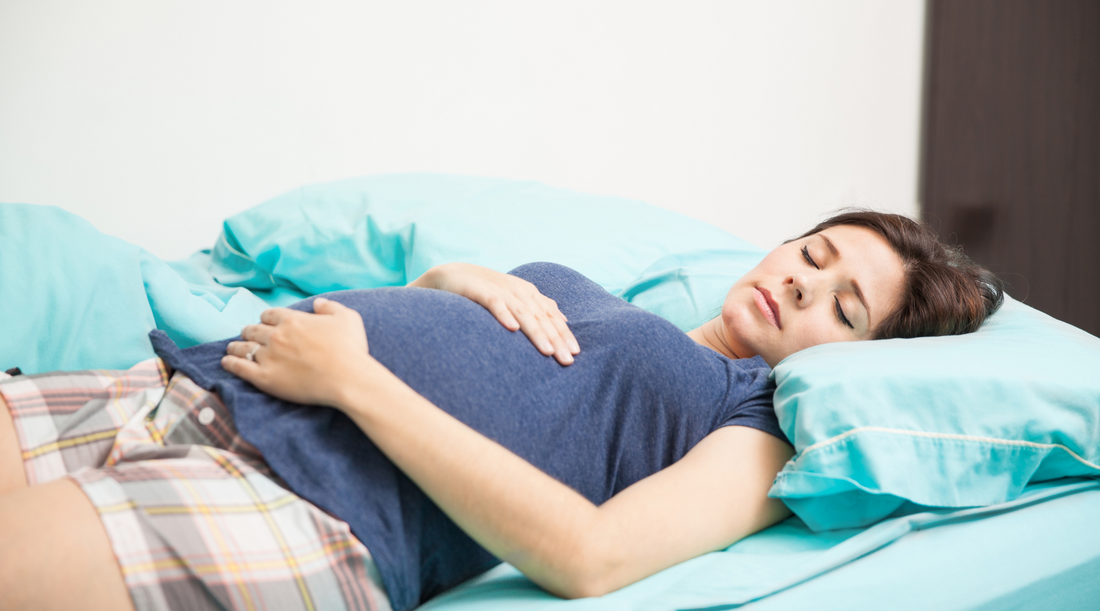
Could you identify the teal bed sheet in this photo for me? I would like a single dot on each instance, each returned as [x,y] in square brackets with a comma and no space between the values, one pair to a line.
[984,558]
[1038,555]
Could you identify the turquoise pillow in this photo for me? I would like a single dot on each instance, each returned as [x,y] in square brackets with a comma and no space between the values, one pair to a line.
[688,288]
[387,230]
[885,427]
[73,298]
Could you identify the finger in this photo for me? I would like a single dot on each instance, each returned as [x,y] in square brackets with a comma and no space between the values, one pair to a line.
[546,311]
[561,351]
[248,371]
[498,307]
[327,306]
[243,349]
[274,316]
[260,334]
[561,325]
[239,348]
[546,328]
[532,328]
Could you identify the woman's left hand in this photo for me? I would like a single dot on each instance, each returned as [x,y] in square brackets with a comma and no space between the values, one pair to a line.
[301,357]
[515,302]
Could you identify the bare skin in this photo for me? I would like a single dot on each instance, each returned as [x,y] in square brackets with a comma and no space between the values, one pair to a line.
[51,535]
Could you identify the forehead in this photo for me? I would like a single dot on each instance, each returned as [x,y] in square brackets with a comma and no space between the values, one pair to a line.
[869,260]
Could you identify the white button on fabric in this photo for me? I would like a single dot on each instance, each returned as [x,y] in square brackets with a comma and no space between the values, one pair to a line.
[206,416]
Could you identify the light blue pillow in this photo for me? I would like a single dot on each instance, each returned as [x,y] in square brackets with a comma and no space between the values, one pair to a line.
[881,427]
[387,230]
[73,298]
[689,288]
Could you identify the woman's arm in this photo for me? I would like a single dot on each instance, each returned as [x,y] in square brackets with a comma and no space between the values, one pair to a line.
[515,302]
[714,496]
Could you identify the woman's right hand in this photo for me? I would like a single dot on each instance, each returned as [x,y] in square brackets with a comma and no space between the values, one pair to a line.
[515,302]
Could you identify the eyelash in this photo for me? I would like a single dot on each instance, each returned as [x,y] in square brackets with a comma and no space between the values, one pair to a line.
[839,311]
[808,258]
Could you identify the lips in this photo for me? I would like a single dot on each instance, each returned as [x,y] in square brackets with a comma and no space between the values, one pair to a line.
[767,306]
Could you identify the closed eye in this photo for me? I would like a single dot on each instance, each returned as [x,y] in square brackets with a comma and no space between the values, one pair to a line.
[808,258]
[840,313]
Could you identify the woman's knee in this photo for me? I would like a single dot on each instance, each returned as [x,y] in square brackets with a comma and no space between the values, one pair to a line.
[54,552]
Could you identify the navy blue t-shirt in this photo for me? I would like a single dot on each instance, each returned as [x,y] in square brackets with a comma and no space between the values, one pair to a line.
[640,395]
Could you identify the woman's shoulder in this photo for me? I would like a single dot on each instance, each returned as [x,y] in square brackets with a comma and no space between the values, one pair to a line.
[751,378]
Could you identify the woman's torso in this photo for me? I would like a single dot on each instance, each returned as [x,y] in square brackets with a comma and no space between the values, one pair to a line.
[639,396]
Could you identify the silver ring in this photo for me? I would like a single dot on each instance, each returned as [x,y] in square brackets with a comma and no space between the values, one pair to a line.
[252,353]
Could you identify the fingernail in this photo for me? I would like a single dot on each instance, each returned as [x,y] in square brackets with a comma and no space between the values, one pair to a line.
[547,347]
[567,358]
[321,300]
[574,346]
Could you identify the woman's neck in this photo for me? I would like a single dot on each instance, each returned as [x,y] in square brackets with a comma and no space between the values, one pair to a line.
[711,335]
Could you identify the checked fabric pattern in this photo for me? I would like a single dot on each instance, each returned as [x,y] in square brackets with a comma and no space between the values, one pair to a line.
[195,516]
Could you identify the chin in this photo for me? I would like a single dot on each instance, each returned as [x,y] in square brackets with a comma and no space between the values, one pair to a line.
[741,326]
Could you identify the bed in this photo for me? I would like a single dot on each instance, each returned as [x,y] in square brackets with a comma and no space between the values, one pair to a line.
[953,473]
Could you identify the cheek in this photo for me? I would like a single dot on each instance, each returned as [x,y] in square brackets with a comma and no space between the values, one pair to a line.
[820,330]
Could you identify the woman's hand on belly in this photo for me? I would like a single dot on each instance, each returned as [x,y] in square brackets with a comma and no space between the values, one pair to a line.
[515,302]
[302,357]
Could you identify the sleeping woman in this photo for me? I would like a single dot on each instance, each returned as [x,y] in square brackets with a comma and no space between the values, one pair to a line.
[371,449]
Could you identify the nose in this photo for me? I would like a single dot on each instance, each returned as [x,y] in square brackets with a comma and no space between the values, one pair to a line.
[801,289]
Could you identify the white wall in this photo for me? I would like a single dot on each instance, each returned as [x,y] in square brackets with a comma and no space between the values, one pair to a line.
[157,119]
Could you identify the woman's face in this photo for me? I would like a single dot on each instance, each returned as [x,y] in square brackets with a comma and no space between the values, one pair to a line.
[833,286]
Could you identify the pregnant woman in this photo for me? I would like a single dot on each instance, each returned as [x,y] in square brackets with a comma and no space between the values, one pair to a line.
[371,449]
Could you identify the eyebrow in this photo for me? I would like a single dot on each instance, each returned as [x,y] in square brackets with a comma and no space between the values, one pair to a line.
[855,285]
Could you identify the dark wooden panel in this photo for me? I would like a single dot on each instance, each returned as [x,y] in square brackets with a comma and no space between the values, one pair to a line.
[1011,153]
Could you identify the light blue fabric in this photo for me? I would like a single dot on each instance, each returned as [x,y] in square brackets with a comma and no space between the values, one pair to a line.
[946,422]
[788,560]
[74,298]
[196,272]
[387,230]
[1044,553]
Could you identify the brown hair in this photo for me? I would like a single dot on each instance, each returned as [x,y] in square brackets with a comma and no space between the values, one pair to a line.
[945,292]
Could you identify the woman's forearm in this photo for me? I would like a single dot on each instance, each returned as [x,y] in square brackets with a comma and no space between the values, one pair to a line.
[514,510]
[548,531]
